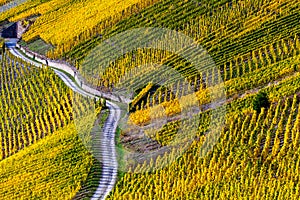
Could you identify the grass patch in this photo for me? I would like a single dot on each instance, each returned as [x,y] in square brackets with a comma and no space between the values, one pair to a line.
[119,152]
[38,45]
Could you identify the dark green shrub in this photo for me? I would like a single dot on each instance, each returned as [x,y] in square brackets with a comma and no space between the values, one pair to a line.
[261,100]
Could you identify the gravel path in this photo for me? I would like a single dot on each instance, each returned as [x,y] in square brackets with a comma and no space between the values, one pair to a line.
[107,153]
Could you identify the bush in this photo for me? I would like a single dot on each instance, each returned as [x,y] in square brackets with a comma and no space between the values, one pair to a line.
[261,100]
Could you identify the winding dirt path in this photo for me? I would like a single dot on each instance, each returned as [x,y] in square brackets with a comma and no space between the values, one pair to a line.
[107,154]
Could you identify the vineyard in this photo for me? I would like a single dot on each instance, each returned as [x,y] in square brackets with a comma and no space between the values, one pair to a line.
[70,17]
[254,53]
[37,124]
[226,51]
[30,110]
[252,158]
[251,58]
[53,168]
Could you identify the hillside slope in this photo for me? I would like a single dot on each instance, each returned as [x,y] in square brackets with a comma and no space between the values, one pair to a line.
[77,20]
[53,168]
[255,45]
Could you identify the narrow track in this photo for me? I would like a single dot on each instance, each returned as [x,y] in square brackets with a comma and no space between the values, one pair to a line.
[107,154]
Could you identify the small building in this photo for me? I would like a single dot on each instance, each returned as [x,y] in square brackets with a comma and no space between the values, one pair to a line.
[12,30]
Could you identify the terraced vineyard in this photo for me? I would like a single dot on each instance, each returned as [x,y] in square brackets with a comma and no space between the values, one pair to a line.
[37,112]
[55,168]
[70,17]
[30,110]
[252,158]
[253,79]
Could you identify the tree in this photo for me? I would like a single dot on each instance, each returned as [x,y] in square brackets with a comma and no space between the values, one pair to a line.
[261,100]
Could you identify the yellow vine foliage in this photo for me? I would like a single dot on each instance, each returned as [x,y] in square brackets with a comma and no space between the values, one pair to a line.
[140,117]
[244,162]
[62,22]
[36,94]
[2,2]
[257,78]
[172,107]
[43,169]
[70,19]
[167,108]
